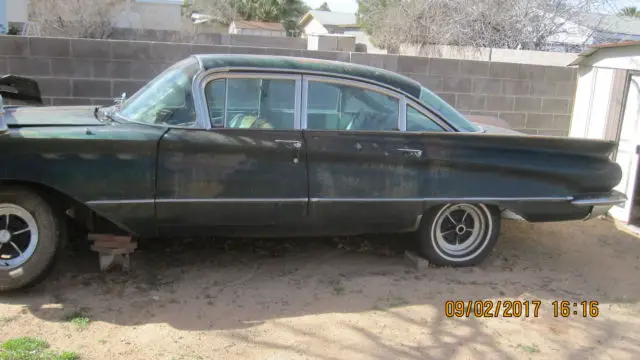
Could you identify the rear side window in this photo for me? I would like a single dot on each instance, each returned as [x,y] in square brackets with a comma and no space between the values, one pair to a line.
[417,121]
[251,103]
[333,106]
[447,111]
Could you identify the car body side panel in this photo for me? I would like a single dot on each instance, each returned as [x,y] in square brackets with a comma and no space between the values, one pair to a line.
[534,176]
[223,178]
[362,181]
[110,168]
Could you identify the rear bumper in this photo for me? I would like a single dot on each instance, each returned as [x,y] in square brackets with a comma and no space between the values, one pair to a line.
[599,205]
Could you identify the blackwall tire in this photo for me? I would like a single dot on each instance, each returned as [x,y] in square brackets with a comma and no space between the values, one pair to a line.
[458,235]
[27,256]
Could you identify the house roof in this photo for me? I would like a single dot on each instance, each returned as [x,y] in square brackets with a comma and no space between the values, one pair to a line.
[610,23]
[593,49]
[330,18]
[243,24]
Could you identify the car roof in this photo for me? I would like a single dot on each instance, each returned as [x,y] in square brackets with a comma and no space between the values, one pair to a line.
[310,65]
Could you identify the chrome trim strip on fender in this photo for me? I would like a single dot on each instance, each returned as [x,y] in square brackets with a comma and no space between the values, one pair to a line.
[120,202]
[465,199]
[614,199]
[230,200]
[355,200]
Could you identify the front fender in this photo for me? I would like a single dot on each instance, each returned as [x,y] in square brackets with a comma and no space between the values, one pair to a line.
[111,169]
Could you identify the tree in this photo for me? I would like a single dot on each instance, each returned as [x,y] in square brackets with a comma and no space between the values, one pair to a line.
[75,18]
[286,12]
[324,7]
[513,24]
[630,11]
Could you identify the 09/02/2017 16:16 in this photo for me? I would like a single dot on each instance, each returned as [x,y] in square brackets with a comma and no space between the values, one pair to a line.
[519,308]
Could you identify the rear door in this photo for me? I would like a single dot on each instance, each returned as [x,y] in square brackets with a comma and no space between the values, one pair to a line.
[363,170]
[248,169]
[627,151]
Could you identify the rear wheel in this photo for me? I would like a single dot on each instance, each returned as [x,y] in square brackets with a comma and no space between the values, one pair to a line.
[458,234]
[30,236]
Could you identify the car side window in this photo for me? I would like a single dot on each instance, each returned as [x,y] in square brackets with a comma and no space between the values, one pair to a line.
[417,121]
[252,103]
[333,106]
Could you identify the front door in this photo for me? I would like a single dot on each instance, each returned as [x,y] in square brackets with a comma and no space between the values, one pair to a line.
[627,152]
[363,173]
[249,169]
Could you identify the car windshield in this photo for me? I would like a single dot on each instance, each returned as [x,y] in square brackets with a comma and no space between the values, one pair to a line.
[447,111]
[166,100]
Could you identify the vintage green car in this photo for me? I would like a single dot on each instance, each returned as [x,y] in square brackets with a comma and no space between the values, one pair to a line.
[240,145]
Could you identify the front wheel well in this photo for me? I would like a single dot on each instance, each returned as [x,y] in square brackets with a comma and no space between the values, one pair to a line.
[81,217]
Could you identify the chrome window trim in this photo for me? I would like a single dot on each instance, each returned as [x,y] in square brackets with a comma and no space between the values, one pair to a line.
[200,83]
[421,109]
[304,73]
[305,102]
[402,118]
[352,83]
[199,121]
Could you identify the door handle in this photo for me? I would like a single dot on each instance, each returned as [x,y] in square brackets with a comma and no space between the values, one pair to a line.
[291,143]
[411,152]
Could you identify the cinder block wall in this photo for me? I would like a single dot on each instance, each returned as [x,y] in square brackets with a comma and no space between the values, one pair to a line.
[532,98]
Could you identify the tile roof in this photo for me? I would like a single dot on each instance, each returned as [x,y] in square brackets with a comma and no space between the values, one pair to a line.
[243,24]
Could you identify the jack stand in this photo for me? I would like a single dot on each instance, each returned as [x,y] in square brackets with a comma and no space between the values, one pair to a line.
[112,250]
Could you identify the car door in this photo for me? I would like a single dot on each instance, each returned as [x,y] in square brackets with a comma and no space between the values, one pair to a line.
[247,169]
[363,171]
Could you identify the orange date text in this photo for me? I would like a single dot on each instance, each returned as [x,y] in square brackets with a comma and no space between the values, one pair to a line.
[492,308]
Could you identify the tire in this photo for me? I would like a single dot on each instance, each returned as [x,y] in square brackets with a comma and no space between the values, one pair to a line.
[39,245]
[448,237]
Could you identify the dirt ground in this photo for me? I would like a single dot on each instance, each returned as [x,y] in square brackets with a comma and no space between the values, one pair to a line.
[340,299]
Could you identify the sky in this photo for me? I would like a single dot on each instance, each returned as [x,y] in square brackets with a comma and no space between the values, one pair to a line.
[351,6]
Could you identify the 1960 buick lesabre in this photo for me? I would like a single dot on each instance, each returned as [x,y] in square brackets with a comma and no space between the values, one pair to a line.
[235,145]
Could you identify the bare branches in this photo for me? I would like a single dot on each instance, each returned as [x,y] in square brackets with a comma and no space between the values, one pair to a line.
[75,18]
[513,24]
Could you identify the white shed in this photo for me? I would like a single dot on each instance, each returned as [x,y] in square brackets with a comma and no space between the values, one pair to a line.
[607,106]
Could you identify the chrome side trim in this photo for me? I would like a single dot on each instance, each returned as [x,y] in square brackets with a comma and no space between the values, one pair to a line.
[602,201]
[355,200]
[466,199]
[232,200]
[120,202]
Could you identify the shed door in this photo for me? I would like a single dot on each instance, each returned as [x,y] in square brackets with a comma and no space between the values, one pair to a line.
[627,152]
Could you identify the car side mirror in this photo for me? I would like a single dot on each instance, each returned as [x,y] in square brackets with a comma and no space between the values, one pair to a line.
[3,125]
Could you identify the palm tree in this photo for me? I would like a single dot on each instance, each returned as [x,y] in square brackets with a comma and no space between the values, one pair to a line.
[629,11]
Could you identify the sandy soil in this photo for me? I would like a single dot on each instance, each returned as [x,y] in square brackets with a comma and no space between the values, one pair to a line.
[348,299]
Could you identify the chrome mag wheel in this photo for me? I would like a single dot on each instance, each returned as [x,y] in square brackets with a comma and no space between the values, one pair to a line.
[461,231]
[18,236]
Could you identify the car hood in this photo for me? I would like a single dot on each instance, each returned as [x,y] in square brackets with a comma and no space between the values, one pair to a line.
[50,116]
